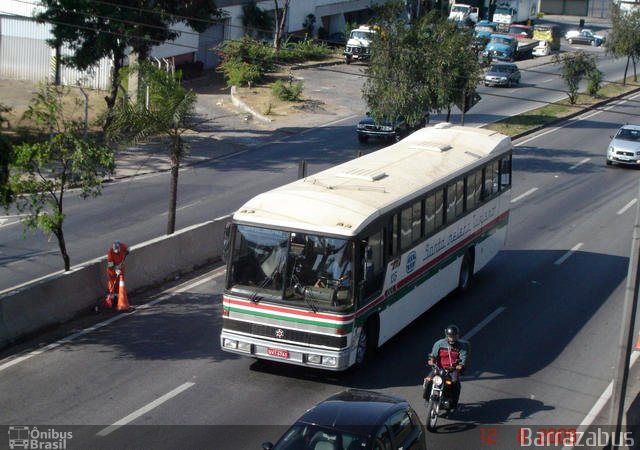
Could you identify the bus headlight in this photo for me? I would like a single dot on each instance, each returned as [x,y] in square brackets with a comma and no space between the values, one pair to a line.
[330,361]
[230,343]
[314,359]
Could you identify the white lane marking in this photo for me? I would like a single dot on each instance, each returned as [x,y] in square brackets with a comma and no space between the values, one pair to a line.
[586,160]
[519,197]
[602,400]
[164,296]
[627,206]
[145,409]
[328,124]
[484,323]
[568,254]
[548,80]
[578,119]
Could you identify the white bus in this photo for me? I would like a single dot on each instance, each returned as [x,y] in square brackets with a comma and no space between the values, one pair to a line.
[413,221]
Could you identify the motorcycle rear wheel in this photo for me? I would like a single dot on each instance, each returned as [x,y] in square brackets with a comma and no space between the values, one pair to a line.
[432,415]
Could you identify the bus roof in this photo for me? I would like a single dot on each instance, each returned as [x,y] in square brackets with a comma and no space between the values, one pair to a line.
[345,198]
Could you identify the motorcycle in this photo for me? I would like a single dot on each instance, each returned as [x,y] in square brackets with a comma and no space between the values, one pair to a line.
[439,398]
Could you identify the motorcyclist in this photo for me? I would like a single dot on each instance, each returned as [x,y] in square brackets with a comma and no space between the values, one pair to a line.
[449,352]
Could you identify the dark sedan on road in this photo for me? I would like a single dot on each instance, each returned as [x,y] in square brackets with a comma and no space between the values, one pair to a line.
[355,420]
[584,36]
[387,129]
[502,74]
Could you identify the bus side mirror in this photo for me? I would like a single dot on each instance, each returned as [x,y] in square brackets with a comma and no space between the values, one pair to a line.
[226,242]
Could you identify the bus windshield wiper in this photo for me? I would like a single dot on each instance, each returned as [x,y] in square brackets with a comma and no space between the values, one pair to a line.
[308,298]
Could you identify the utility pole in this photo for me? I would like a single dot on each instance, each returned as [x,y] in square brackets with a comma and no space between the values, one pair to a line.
[625,344]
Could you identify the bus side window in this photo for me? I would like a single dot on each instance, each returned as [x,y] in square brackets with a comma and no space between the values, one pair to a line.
[505,173]
[373,267]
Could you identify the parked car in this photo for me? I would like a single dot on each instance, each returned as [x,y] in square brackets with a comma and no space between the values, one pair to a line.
[355,420]
[502,74]
[482,32]
[549,33]
[500,47]
[387,129]
[584,36]
[624,147]
[542,49]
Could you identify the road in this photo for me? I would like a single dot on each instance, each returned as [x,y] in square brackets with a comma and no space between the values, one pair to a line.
[223,174]
[550,304]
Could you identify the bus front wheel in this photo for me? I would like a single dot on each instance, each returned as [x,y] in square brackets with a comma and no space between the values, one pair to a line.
[367,342]
[466,273]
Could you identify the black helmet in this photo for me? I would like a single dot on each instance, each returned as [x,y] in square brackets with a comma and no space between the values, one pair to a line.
[452,331]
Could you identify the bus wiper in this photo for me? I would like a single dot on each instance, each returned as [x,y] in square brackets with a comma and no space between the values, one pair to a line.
[308,298]
[268,280]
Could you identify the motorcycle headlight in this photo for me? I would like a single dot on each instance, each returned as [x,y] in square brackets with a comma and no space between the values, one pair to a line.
[437,380]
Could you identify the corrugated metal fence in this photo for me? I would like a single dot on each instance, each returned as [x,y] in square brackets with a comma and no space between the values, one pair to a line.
[25,55]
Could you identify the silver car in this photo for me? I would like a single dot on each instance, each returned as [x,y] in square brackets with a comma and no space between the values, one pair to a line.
[624,147]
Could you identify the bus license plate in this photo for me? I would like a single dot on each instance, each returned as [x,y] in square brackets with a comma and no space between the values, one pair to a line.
[278,352]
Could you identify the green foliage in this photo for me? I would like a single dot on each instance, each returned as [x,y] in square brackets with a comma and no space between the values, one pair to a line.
[246,60]
[575,67]
[169,115]
[286,91]
[257,22]
[594,81]
[415,70]
[6,153]
[309,23]
[305,50]
[42,171]
[624,38]
[240,73]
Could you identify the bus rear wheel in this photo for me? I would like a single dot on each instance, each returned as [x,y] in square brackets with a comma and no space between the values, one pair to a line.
[466,273]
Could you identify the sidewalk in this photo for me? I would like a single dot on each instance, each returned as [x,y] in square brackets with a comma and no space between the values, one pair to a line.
[226,128]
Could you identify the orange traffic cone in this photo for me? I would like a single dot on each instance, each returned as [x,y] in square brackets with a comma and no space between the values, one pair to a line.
[123,301]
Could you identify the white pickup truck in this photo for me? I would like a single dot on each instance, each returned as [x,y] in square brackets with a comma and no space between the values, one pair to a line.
[463,13]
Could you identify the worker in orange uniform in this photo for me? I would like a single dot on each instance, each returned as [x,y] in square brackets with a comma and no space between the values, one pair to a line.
[115,267]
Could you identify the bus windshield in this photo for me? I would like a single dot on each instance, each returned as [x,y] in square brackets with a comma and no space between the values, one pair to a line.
[503,10]
[312,270]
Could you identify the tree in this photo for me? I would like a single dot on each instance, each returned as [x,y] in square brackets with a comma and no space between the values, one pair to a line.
[94,29]
[5,160]
[170,114]
[575,67]
[43,171]
[280,17]
[624,38]
[256,21]
[419,68]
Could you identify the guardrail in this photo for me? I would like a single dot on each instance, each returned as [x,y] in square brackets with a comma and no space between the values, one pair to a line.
[58,298]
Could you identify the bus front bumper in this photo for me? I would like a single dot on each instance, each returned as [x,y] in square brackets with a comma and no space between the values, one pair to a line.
[336,360]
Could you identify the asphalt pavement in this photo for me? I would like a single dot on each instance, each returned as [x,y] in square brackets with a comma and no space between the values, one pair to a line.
[226,128]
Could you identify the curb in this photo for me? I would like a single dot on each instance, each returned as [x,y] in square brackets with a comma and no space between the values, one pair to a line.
[574,114]
[240,104]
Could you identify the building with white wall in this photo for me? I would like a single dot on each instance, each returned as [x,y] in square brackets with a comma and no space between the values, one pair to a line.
[25,54]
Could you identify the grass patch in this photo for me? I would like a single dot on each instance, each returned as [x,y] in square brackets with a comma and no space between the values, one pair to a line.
[551,112]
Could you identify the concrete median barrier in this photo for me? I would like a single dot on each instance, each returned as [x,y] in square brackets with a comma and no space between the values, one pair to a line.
[58,298]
